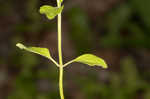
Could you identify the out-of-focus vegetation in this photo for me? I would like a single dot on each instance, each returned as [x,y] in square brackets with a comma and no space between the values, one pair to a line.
[117,30]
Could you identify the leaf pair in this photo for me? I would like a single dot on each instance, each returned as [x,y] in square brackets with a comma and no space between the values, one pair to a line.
[88,59]
[50,12]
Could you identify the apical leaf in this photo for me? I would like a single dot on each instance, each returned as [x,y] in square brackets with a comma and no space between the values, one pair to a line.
[50,11]
[41,51]
[61,1]
[91,60]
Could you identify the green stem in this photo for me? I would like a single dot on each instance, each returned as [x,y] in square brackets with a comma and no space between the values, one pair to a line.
[61,83]
[60,54]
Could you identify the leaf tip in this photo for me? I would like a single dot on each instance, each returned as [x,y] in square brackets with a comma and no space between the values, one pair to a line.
[21,46]
[105,66]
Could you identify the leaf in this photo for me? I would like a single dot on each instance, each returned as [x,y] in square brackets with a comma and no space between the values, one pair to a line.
[50,11]
[41,51]
[91,60]
[61,1]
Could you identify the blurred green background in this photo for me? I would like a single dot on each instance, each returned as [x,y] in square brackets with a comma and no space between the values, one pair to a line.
[116,30]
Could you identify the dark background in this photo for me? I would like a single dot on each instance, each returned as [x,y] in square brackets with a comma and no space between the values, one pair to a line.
[115,30]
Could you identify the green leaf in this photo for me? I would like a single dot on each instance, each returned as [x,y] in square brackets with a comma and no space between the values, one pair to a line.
[50,11]
[61,1]
[41,51]
[91,60]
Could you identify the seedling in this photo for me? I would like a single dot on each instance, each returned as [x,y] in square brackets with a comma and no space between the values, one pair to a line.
[89,59]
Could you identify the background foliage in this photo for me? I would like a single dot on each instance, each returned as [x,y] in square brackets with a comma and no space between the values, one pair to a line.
[116,30]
